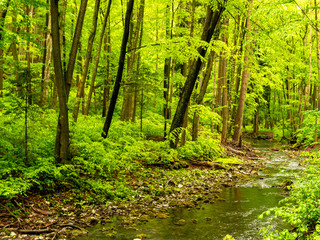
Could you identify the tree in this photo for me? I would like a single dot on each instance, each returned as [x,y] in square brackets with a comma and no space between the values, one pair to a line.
[3,14]
[245,80]
[95,71]
[210,24]
[63,80]
[128,111]
[87,60]
[116,88]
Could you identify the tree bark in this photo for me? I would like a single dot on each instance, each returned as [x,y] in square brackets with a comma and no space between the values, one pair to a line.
[213,91]
[203,89]
[256,119]
[225,111]
[128,111]
[244,85]
[95,71]
[212,20]
[47,54]
[107,80]
[29,12]
[307,93]
[87,60]
[63,81]
[3,14]
[120,70]
[62,153]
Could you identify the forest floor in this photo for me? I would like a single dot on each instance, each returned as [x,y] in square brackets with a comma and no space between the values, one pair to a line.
[66,214]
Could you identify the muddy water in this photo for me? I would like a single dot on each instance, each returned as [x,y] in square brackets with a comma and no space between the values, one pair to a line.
[236,216]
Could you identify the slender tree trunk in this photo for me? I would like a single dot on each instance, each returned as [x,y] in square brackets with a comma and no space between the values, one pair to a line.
[203,89]
[256,120]
[3,14]
[212,20]
[87,60]
[130,90]
[1,72]
[120,70]
[46,63]
[225,111]
[95,71]
[191,6]
[29,12]
[318,52]
[63,81]
[307,93]
[166,83]
[214,91]
[244,85]
[62,153]
[106,87]
[238,72]
[318,67]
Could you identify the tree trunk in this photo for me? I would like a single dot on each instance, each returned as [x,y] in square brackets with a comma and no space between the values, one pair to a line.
[130,90]
[307,93]
[256,120]
[106,87]
[87,60]
[62,153]
[213,91]
[318,52]
[63,81]
[203,89]
[46,63]
[29,12]
[95,71]
[3,13]
[244,85]
[212,20]
[120,70]
[225,111]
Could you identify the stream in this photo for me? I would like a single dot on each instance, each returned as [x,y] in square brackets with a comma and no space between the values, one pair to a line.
[236,216]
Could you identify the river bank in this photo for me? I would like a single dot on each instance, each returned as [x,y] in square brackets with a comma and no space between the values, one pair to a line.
[64,215]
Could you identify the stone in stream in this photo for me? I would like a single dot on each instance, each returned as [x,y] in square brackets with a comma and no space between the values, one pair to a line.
[181,222]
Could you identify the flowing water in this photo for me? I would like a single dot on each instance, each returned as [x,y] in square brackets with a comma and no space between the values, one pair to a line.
[236,216]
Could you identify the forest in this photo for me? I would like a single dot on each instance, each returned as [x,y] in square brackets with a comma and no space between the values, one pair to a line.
[107,101]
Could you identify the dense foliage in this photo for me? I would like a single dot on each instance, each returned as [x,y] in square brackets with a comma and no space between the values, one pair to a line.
[98,165]
[300,211]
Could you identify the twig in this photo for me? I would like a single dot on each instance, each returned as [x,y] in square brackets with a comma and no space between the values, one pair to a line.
[69,225]
[11,213]
[36,231]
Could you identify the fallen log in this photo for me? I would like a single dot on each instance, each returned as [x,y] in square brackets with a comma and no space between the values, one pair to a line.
[236,151]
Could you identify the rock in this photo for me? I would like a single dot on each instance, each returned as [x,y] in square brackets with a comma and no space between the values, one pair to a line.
[144,218]
[141,236]
[76,233]
[181,222]
[286,184]
[106,220]
[92,220]
[162,215]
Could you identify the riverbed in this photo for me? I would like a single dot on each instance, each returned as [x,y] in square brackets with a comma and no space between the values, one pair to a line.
[235,214]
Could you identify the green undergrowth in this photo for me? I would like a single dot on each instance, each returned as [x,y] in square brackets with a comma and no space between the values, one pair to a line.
[99,166]
[300,212]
